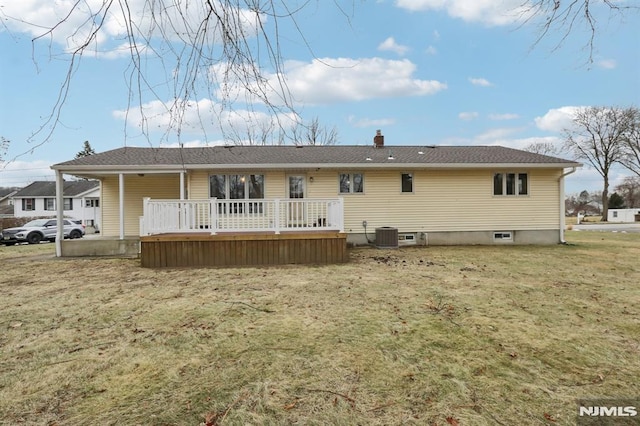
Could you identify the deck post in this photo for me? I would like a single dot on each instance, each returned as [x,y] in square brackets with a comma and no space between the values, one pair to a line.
[144,220]
[341,205]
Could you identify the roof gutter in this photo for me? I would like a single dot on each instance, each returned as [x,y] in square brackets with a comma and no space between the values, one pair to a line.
[562,207]
[175,168]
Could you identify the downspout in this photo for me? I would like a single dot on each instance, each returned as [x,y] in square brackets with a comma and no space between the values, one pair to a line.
[562,208]
[59,212]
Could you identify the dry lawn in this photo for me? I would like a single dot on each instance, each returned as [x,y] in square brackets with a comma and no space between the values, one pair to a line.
[429,336]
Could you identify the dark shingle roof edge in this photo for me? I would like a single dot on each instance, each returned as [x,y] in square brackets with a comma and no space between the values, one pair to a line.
[130,158]
[48,188]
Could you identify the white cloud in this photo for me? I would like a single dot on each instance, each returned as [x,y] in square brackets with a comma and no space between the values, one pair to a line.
[525,142]
[501,117]
[431,50]
[468,116]
[22,173]
[204,116]
[607,64]
[497,136]
[72,22]
[483,82]
[332,80]
[489,12]
[555,120]
[390,45]
[371,122]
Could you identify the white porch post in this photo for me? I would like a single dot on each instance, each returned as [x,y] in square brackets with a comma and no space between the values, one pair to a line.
[182,185]
[59,212]
[121,207]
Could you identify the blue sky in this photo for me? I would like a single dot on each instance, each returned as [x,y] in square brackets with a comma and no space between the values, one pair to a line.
[437,72]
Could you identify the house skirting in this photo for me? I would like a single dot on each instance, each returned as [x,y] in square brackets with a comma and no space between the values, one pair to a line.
[242,249]
[101,246]
[450,238]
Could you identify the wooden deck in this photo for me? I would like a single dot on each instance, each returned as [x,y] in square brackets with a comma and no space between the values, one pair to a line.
[242,249]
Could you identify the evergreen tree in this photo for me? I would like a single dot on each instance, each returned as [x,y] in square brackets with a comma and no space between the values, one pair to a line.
[86,150]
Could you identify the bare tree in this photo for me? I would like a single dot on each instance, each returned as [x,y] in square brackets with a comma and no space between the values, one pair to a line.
[597,136]
[544,148]
[631,158]
[226,51]
[258,133]
[314,133]
[4,146]
[564,17]
[223,50]
[629,190]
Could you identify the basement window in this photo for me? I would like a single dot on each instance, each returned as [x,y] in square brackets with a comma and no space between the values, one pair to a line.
[503,236]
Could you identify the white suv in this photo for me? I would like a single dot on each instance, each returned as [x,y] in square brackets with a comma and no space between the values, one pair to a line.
[40,229]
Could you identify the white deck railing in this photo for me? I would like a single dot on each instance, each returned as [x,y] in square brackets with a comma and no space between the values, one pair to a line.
[276,215]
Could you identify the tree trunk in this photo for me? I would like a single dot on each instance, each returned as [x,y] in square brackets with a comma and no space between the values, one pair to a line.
[605,198]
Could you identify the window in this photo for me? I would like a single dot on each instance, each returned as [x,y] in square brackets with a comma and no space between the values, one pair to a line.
[92,202]
[503,236]
[351,183]
[67,204]
[218,187]
[49,203]
[28,204]
[237,187]
[407,182]
[510,184]
[615,214]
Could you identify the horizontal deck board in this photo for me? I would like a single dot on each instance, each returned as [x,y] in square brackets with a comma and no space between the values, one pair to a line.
[242,249]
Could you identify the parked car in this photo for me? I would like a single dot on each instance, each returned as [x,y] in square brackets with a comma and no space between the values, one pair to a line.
[40,229]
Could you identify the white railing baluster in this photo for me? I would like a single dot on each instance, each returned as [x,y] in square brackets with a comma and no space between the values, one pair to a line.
[214,215]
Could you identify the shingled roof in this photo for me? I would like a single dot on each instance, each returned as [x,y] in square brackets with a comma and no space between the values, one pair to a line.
[310,156]
[48,189]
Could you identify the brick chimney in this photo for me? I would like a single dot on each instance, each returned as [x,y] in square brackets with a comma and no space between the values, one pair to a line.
[378,140]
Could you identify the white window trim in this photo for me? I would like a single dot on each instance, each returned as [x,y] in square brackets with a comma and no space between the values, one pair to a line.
[413,183]
[504,184]
[351,192]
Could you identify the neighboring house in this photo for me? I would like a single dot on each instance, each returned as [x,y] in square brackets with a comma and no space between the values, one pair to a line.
[6,202]
[431,194]
[81,201]
[623,215]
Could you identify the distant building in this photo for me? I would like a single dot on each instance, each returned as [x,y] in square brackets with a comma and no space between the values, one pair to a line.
[6,201]
[81,201]
[623,215]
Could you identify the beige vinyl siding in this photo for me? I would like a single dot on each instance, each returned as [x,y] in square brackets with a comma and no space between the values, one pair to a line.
[136,188]
[443,200]
[453,200]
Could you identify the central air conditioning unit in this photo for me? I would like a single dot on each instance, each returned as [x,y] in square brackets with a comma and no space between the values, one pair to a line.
[386,237]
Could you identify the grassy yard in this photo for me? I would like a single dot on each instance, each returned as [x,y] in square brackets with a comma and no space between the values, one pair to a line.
[425,336]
